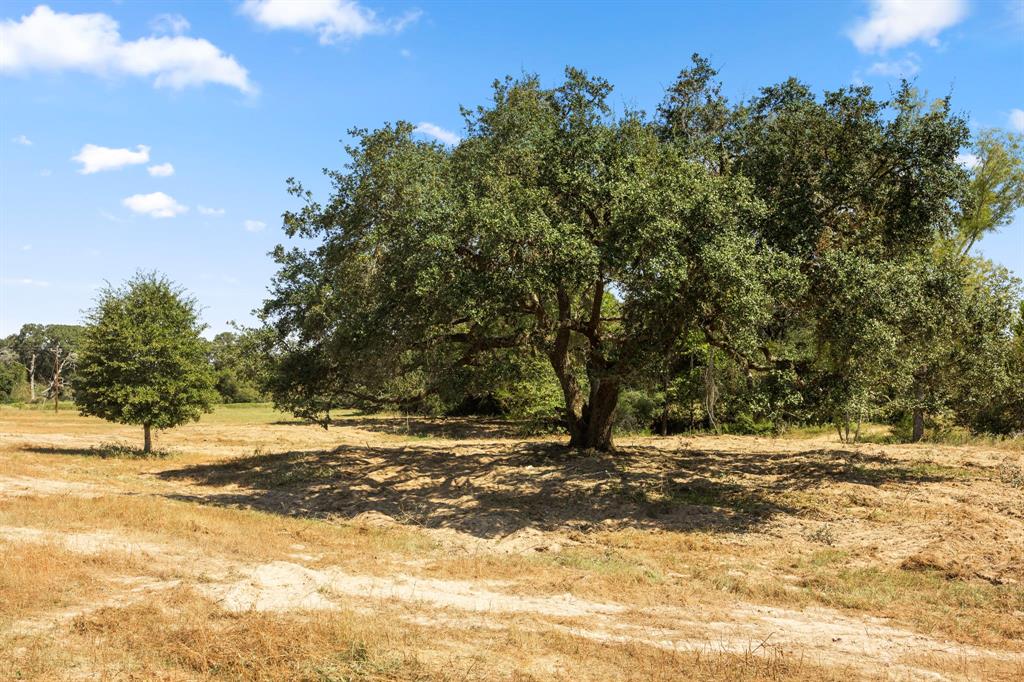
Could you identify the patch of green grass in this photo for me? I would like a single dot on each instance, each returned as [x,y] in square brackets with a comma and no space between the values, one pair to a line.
[825,558]
[246,413]
[607,563]
[41,406]
[299,472]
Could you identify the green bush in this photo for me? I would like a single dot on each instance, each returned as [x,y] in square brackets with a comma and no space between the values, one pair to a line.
[637,412]
[13,384]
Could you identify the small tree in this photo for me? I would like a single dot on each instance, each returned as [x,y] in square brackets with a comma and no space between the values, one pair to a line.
[142,360]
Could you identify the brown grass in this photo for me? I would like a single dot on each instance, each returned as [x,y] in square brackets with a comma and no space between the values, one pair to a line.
[691,558]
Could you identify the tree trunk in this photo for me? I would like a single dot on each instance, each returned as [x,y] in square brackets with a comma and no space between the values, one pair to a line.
[918,430]
[710,391]
[589,422]
[32,377]
[918,433]
[600,415]
[57,366]
[663,426]
[147,445]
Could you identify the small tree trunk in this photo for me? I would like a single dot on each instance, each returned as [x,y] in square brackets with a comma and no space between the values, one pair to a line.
[693,416]
[663,426]
[32,377]
[918,432]
[147,444]
[920,393]
[710,391]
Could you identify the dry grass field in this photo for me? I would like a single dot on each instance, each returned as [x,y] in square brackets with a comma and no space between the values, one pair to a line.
[384,548]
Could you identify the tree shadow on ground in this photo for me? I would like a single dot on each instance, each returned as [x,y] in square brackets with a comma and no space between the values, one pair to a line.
[450,428]
[492,491]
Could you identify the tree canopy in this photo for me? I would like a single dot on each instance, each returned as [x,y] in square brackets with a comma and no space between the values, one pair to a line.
[142,359]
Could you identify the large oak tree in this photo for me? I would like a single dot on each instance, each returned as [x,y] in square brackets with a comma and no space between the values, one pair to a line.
[595,240]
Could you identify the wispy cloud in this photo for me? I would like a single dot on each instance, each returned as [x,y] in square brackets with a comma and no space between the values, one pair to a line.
[900,68]
[155,205]
[91,43]
[95,158]
[254,225]
[332,20]
[892,23]
[161,170]
[107,215]
[21,139]
[170,24]
[437,132]
[206,210]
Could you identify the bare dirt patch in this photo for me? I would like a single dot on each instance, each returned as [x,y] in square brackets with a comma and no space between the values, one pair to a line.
[23,485]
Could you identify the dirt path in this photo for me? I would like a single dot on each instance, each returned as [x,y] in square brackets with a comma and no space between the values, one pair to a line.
[826,636]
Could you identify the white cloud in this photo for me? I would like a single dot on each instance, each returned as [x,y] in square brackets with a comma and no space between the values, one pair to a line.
[967,160]
[21,139]
[95,158]
[155,205]
[161,170]
[1017,120]
[333,20]
[893,23]
[254,225]
[901,68]
[46,172]
[26,247]
[206,210]
[405,53]
[54,41]
[170,24]
[437,132]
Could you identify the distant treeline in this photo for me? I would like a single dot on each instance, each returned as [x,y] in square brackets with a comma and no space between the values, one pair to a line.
[38,363]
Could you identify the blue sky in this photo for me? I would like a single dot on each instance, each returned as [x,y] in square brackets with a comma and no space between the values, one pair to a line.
[97,98]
